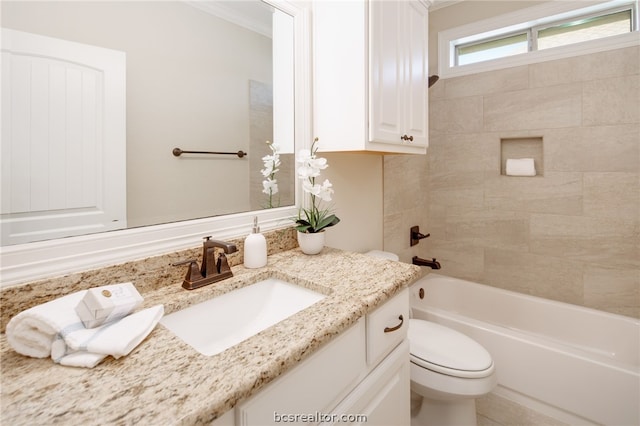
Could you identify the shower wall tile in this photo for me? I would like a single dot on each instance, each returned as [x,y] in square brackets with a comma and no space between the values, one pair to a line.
[613,290]
[602,241]
[612,195]
[482,153]
[404,173]
[558,193]
[490,228]
[436,152]
[596,66]
[613,63]
[545,276]
[540,108]
[458,259]
[612,101]
[459,200]
[553,73]
[508,79]
[460,115]
[451,180]
[593,149]
[436,221]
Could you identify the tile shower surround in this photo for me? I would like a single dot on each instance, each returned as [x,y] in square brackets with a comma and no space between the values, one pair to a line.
[571,235]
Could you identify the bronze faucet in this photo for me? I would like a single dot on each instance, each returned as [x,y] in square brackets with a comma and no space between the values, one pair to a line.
[433,263]
[211,270]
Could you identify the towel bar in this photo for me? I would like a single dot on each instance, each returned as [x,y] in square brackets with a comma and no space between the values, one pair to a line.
[178,152]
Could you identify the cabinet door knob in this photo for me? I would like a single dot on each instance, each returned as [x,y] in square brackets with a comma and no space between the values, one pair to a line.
[390,329]
[406,138]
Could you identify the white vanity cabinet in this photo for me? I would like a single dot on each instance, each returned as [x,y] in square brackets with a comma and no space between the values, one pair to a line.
[364,371]
[370,75]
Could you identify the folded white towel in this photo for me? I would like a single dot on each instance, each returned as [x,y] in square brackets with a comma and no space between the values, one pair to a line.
[54,329]
[521,167]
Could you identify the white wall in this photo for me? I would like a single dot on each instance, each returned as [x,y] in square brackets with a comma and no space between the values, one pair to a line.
[357,182]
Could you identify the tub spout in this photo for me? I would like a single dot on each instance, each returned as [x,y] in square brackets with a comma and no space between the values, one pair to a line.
[433,263]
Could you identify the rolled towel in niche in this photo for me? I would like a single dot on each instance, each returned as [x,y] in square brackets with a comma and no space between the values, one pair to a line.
[520,167]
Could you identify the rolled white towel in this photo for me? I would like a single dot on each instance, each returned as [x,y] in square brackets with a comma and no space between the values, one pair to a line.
[54,329]
[520,167]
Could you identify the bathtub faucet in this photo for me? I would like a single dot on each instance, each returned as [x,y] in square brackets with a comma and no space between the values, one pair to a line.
[433,263]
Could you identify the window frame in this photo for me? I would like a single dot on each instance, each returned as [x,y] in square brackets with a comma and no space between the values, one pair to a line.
[528,20]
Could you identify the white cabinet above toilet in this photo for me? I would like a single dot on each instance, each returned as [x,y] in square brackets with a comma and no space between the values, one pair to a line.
[370,75]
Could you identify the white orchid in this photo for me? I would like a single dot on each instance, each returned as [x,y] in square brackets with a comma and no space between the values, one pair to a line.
[323,191]
[270,186]
[271,164]
[326,190]
[304,155]
[315,219]
[318,163]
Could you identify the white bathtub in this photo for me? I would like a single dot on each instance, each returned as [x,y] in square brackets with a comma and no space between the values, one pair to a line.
[578,365]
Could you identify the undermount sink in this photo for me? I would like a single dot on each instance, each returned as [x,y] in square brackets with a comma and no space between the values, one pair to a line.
[219,323]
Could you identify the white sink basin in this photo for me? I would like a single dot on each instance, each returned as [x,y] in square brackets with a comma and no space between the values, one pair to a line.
[212,326]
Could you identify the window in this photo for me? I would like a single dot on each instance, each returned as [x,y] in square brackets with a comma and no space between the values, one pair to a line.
[554,34]
[492,49]
[585,28]
[543,32]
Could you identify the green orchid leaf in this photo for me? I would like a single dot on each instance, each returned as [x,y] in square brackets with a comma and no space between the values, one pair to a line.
[327,222]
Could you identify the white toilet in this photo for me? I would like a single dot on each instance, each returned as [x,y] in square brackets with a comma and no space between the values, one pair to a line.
[448,371]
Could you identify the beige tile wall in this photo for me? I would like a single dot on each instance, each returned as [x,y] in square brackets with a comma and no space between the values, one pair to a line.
[571,235]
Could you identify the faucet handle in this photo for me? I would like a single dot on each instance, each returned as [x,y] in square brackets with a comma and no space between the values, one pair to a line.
[193,273]
[223,264]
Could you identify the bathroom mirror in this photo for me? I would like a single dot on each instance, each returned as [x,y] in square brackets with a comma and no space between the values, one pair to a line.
[31,261]
[211,76]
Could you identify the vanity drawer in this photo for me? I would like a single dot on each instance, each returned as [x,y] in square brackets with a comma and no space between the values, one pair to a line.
[387,326]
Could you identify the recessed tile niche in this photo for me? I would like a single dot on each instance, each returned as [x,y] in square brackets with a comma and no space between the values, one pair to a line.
[529,147]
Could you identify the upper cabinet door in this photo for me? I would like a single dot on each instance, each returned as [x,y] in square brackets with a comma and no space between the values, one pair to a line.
[386,71]
[416,78]
[398,73]
[370,76]
[63,138]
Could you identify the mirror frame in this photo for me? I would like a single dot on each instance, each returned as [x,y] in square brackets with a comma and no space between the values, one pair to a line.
[39,260]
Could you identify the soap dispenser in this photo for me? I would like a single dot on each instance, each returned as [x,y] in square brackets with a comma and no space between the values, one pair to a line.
[255,248]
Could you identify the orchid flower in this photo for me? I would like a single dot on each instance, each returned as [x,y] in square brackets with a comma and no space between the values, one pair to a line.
[271,164]
[314,219]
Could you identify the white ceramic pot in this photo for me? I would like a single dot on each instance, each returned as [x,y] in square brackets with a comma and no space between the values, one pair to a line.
[311,243]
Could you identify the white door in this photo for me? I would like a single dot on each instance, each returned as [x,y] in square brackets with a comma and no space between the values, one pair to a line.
[63,138]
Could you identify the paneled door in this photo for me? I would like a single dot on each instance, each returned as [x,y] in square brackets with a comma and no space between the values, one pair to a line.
[63,138]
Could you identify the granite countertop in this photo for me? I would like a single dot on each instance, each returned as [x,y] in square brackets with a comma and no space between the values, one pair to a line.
[165,381]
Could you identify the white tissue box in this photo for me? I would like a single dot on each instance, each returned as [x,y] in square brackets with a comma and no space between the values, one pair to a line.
[108,303]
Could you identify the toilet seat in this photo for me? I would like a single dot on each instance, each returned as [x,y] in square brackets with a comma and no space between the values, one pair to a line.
[446,351]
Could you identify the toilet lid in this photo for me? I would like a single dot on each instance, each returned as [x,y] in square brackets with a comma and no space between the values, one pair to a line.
[447,351]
